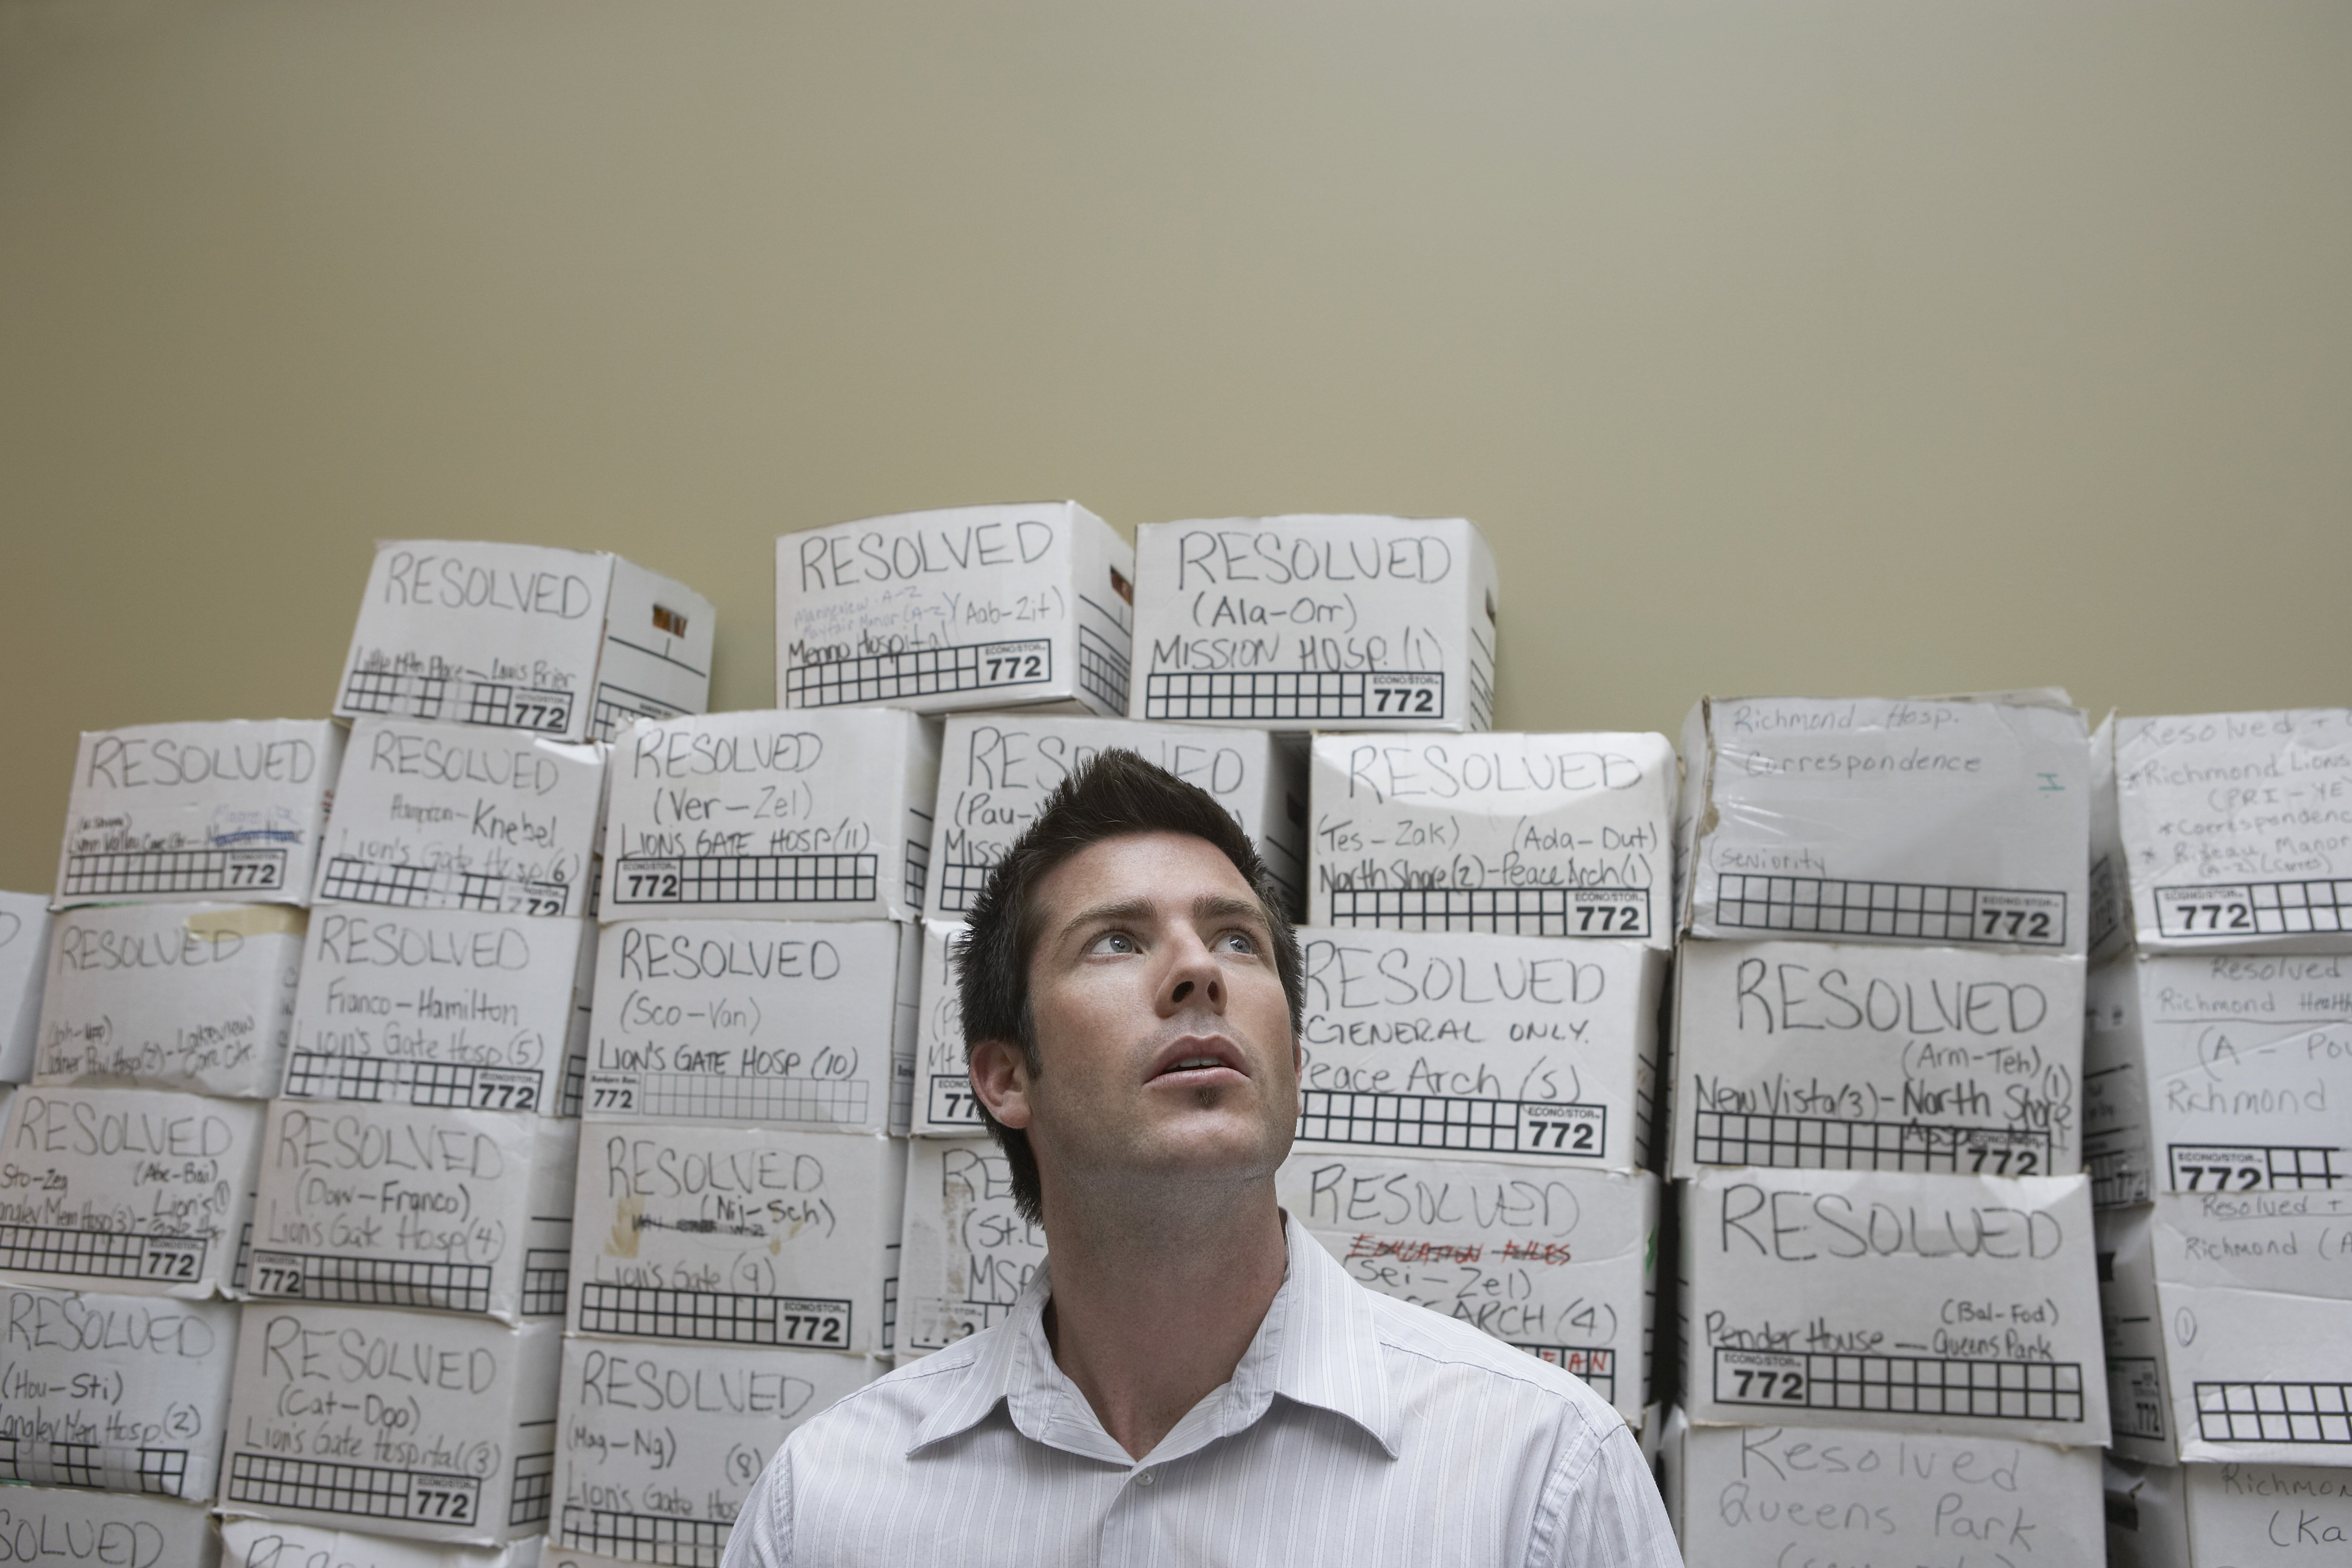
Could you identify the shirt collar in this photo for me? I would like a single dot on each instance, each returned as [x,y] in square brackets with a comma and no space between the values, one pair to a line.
[1317,1346]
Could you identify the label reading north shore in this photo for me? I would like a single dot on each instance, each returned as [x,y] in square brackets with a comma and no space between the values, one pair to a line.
[1316,622]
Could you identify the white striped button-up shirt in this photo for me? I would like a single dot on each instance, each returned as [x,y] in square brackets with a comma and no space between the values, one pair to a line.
[1358,1431]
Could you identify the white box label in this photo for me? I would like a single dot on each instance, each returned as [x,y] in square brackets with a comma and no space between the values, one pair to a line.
[128,1392]
[968,1253]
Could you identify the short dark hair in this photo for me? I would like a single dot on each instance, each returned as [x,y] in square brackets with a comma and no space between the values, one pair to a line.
[1114,796]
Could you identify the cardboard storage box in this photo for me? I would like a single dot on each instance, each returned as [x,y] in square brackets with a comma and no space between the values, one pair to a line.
[2110,888]
[1558,1262]
[1862,819]
[274,1544]
[1846,1056]
[126,1392]
[971,606]
[171,813]
[1775,1497]
[941,1096]
[743,1236]
[407,1424]
[1521,835]
[192,996]
[967,1252]
[2226,1515]
[112,1530]
[765,1023]
[662,1443]
[129,1189]
[2237,830]
[563,643]
[386,1206]
[1522,1049]
[2221,1072]
[24,964]
[445,817]
[1316,622]
[1965,1305]
[440,1007]
[2130,1318]
[774,815]
[996,770]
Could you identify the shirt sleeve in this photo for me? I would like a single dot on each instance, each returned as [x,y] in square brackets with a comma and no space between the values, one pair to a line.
[762,1536]
[1601,1509]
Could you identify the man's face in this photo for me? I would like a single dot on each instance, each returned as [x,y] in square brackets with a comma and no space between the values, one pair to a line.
[1162,1030]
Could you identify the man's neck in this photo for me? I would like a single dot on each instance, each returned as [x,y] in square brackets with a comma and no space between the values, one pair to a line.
[1152,1310]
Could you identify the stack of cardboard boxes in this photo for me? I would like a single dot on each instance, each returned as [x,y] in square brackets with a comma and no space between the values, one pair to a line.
[2220,1060]
[1887,1286]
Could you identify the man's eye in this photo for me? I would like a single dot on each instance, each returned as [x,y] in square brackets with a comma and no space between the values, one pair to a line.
[1112,942]
[1240,942]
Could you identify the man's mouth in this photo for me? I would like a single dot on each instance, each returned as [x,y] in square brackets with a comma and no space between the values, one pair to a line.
[1190,1061]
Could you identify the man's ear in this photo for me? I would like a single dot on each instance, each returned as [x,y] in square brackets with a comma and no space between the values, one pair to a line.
[1000,1076]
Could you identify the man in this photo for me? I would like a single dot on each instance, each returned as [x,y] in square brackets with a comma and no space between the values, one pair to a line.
[1192,1378]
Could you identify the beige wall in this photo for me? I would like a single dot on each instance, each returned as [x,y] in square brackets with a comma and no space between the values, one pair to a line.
[1819,347]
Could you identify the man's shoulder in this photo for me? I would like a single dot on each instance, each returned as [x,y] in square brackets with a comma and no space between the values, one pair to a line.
[1453,1357]
[893,1407]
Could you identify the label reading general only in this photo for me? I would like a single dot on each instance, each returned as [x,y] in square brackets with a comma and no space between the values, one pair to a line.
[413,1423]
[1844,1056]
[976,606]
[1518,834]
[807,816]
[191,997]
[445,817]
[1867,819]
[967,1252]
[996,770]
[662,1443]
[437,1008]
[1558,1262]
[383,1206]
[1899,1303]
[1517,1049]
[735,1237]
[2237,830]
[761,1022]
[561,643]
[175,813]
[142,1190]
[1316,622]
[127,1393]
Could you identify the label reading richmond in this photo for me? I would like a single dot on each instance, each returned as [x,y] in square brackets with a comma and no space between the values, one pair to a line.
[1529,835]
[435,1007]
[749,1021]
[1467,1043]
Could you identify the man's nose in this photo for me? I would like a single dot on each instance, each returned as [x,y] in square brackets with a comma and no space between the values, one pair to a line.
[1193,977]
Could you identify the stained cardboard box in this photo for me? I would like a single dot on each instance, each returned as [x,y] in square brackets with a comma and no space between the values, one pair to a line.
[2236,830]
[109,1529]
[23,966]
[1963,1305]
[1560,1264]
[964,607]
[274,1543]
[452,817]
[232,812]
[1511,834]
[662,1443]
[746,1236]
[2226,1515]
[1848,1056]
[440,1210]
[2221,1072]
[773,815]
[804,1023]
[147,1190]
[1518,1049]
[1771,1496]
[1316,622]
[996,770]
[129,1393]
[189,996]
[967,1252]
[1947,821]
[563,643]
[417,1425]
[461,1008]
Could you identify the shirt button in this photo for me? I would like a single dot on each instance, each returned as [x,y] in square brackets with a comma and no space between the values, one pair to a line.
[1145,1478]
